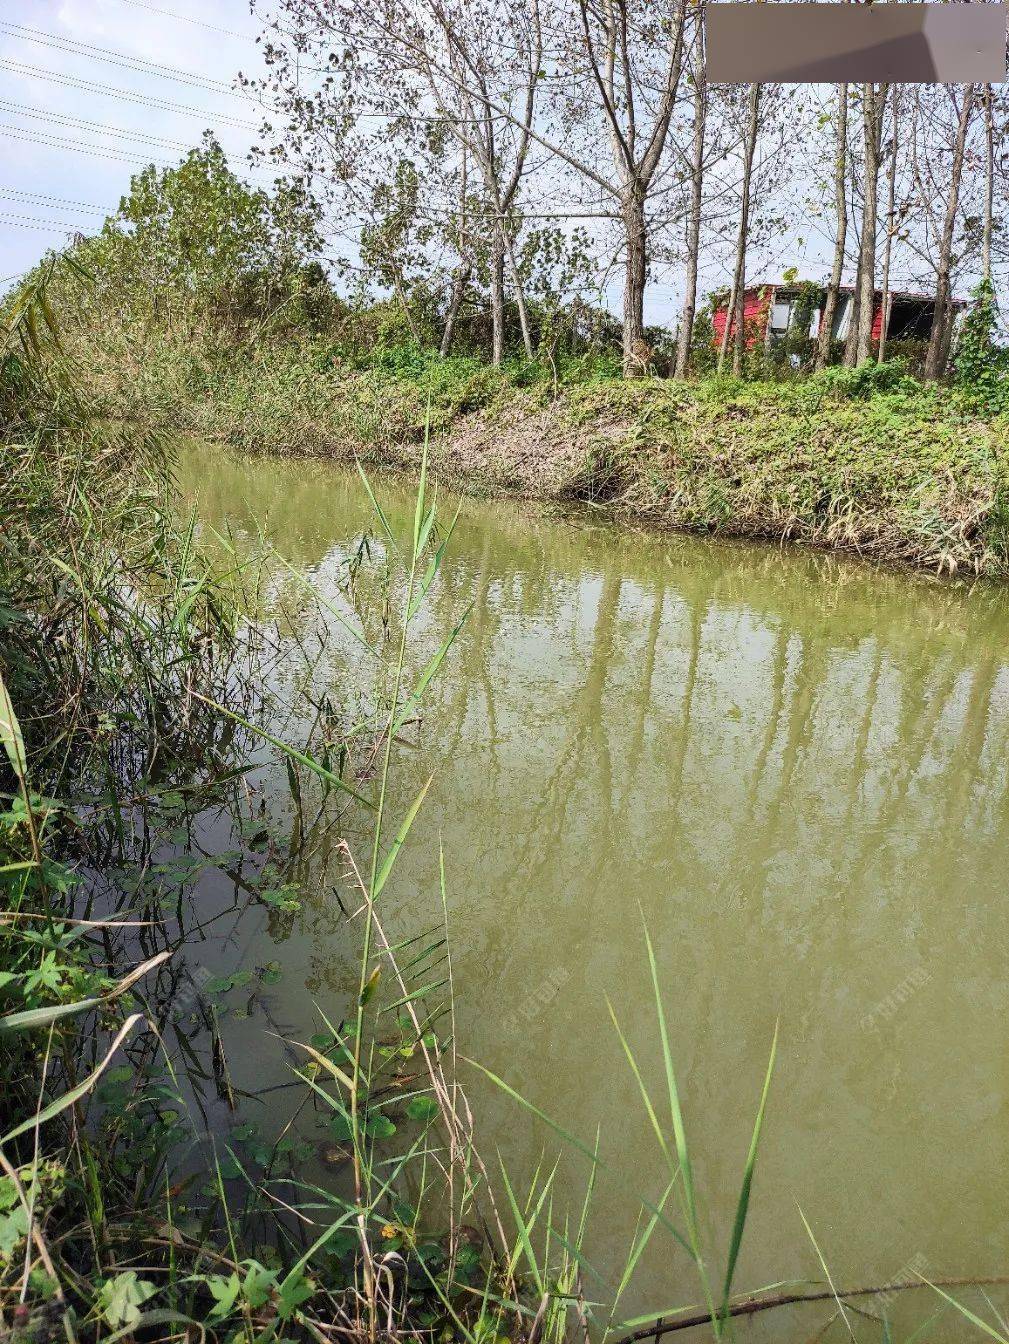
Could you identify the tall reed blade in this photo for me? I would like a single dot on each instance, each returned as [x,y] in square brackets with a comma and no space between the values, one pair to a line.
[743,1204]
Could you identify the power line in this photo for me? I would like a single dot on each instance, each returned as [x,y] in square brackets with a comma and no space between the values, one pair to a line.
[136,63]
[82,124]
[185,18]
[59,142]
[92,150]
[126,95]
[36,221]
[40,198]
[183,109]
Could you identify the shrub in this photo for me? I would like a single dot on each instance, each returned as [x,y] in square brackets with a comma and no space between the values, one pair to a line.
[868,380]
[981,367]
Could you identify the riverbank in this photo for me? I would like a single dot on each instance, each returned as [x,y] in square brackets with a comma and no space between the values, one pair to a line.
[868,461]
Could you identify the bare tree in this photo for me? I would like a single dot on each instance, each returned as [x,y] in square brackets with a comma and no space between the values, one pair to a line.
[989,185]
[863,312]
[449,84]
[689,310]
[891,223]
[463,271]
[635,94]
[508,113]
[939,339]
[736,308]
[463,79]
[826,331]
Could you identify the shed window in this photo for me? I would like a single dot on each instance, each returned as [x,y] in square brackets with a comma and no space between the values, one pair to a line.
[781,316]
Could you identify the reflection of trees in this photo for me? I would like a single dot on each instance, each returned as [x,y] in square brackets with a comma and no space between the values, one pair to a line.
[787,853]
[586,743]
[696,620]
[865,721]
[918,721]
[643,698]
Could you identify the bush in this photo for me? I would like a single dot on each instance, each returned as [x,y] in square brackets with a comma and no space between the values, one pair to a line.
[981,367]
[868,380]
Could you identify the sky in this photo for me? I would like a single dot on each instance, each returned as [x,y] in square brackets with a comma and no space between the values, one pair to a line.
[64,62]
[121,65]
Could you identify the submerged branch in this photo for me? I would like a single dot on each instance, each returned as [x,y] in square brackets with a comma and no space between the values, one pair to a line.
[752,1305]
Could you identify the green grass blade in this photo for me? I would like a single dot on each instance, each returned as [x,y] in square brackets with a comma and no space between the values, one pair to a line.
[577,1144]
[377,507]
[337,615]
[830,1281]
[742,1207]
[32,1018]
[966,1311]
[417,694]
[399,841]
[10,733]
[525,1228]
[675,1109]
[679,1133]
[75,1093]
[421,506]
[307,761]
[653,1118]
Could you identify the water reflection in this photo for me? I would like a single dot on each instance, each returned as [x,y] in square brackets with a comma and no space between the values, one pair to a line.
[793,769]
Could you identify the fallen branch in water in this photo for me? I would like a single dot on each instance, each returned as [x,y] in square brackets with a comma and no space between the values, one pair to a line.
[750,1306]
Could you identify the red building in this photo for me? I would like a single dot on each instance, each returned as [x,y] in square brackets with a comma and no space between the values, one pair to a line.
[770,313]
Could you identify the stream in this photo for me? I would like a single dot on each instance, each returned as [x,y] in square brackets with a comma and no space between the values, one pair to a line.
[791,767]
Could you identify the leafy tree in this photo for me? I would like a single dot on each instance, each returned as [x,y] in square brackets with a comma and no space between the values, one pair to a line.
[392,246]
[197,245]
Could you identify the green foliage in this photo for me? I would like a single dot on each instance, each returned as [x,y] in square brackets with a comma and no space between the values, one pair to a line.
[865,382]
[195,246]
[100,655]
[121,1298]
[136,614]
[981,366]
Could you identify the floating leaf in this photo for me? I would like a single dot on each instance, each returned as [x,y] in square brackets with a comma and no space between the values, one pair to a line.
[422,1108]
[380,1127]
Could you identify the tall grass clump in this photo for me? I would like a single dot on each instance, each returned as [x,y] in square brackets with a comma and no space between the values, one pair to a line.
[109,624]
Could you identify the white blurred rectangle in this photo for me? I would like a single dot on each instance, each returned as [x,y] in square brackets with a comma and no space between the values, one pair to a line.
[786,43]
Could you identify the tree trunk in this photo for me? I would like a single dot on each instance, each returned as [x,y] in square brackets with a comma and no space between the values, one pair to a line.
[872,121]
[460,280]
[497,299]
[823,342]
[520,297]
[742,242]
[462,272]
[404,303]
[730,317]
[689,310]
[891,225]
[635,361]
[938,344]
[851,335]
[989,185]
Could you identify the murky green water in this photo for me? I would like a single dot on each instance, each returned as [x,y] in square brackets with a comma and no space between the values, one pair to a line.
[795,770]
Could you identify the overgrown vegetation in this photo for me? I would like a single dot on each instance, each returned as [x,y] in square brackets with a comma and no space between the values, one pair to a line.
[206,313]
[981,367]
[130,711]
[125,719]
